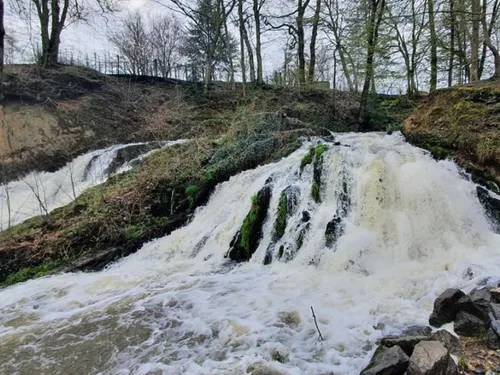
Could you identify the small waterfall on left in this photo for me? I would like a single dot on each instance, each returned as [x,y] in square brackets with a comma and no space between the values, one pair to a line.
[39,193]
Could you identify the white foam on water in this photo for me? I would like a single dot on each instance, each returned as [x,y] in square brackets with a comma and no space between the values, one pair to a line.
[413,227]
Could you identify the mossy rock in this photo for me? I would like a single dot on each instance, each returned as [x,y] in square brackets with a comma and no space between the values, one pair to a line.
[247,239]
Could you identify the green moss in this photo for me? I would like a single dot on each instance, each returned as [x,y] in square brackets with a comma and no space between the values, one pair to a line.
[315,193]
[307,159]
[249,224]
[191,191]
[463,364]
[439,153]
[32,272]
[319,150]
[281,219]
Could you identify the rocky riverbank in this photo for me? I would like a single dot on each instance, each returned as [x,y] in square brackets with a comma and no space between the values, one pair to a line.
[470,343]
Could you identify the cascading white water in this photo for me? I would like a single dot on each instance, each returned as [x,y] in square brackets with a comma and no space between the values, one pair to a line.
[412,227]
[41,192]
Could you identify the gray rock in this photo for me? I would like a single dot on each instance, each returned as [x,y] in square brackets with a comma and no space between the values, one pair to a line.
[495,326]
[469,325]
[445,307]
[495,295]
[492,340]
[417,331]
[431,358]
[450,341]
[495,310]
[387,361]
[406,343]
[476,305]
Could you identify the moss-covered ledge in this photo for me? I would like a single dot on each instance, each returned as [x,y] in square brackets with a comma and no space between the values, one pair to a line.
[462,123]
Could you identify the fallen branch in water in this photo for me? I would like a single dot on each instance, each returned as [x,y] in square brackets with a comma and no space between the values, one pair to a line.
[316,323]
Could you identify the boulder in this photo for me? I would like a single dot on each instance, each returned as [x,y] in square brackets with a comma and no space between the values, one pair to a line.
[479,308]
[469,325]
[406,343]
[492,340]
[417,331]
[387,361]
[495,295]
[450,341]
[495,310]
[445,307]
[247,239]
[333,231]
[431,358]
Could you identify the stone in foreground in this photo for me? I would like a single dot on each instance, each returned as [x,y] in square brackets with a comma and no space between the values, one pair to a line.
[431,358]
[450,341]
[445,307]
[387,361]
[469,325]
[406,343]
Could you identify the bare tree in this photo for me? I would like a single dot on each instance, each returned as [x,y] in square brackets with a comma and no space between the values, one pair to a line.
[53,16]
[487,30]
[165,37]
[132,40]
[2,37]
[376,13]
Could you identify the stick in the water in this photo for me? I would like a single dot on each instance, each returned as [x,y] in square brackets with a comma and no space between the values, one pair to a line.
[316,323]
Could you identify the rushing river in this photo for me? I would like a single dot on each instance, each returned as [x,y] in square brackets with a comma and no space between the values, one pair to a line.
[411,227]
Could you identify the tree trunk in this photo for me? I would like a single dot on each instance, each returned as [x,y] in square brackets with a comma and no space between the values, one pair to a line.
[243,31]
[474,43]
[2,37]
[312,47]
[241,21]
[487,42]
[258,48]
[434,59]
[301,41]
[377,11]
[452,43]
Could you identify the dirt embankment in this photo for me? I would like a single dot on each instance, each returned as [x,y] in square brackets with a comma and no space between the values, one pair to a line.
[462,123]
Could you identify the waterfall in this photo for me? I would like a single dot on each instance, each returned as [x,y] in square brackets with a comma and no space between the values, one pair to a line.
[41,192]
[392,229]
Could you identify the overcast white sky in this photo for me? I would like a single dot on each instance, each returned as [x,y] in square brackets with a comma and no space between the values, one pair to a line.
[89,38]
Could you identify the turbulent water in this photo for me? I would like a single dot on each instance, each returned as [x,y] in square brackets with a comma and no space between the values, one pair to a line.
[411,227]
[41,192]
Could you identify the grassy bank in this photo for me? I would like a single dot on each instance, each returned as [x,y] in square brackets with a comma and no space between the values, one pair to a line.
[462,123]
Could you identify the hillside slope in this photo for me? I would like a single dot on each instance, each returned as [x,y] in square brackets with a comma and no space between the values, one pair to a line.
[462,123]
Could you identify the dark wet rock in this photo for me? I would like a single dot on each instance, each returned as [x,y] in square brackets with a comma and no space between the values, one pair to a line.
[495,310]
[450,341]
[246,241]
[492,339]
[431,358]
[268,259]
[333,231]
[479,308]
[306,216]
[302,234]
[445,307]
[406,343]
[287,206]
[495,295]
[128,153]
[417,331]
[491,206]
[469,325]
[387,361]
